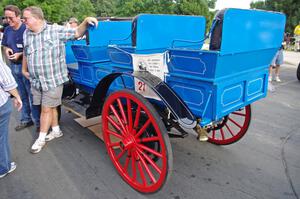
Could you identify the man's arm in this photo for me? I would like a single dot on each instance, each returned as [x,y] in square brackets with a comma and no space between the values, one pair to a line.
[8,51]
[17,100]
[83,26]
[8,84]
[11,55]
[15,56]
[24,67]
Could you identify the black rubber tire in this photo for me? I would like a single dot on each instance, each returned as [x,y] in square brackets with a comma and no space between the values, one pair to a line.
[58,112]
[298,72]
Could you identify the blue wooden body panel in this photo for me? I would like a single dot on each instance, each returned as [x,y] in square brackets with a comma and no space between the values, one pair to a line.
[251,30]
[227,95]
[92,61]
[237,75]
[91,54]
[212,83]
[91,74]
[71,61]
[160,31]
[110,32]
[70,58]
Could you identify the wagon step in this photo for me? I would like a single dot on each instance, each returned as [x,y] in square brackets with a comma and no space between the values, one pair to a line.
[75,106]
[177,132]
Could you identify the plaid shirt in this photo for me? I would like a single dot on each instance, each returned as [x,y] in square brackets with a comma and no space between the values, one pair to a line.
[7,82]
[45,55]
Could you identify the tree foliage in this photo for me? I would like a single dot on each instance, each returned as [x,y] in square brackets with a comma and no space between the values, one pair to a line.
[61,10]
[55,10]
[104,8]
[291,8]
[181,7]
[82,9]
[195,7]
[134,7]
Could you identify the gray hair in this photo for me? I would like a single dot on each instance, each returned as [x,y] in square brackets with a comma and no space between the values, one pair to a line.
[35,11]
[73,19]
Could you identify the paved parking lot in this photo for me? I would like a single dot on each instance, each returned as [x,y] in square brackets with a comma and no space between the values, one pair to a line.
[264,164]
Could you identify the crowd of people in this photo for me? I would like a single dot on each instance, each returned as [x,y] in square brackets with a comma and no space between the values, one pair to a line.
[35,75]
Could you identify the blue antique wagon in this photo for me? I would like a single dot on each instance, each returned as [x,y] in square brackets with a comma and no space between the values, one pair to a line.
[152,77]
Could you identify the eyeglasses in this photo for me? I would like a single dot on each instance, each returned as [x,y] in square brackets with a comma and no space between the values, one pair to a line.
[10,18]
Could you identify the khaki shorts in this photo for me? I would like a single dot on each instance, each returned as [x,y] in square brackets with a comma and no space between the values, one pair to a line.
[50,98]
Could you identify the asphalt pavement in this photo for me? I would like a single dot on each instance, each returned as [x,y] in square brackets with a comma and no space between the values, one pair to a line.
[263,164]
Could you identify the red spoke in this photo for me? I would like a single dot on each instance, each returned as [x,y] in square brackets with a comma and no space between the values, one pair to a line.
[122,110]
[214,134]
[114,123]
[133,167]
[150,150]
[222,134]
[117,116]
[234,122]
[121,154]
[150,174]
[143,129]
[150,161]
[137,118]
[115,134]
[234,127]
[127,161]
[237,113]
[148,139]
[111,145]
[142,173]
[229,130]
[129,114]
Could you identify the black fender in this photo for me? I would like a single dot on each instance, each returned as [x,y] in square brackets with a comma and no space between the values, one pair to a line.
[175,104]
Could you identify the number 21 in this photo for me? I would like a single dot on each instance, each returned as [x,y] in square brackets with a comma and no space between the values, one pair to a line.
[142,86]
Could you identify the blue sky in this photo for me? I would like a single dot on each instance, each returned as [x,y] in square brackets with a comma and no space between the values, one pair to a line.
[233,4]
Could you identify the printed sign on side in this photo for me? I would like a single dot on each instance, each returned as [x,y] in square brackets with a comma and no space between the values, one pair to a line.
[153,63]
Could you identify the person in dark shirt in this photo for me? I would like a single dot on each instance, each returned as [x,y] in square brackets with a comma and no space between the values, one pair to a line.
[13,48]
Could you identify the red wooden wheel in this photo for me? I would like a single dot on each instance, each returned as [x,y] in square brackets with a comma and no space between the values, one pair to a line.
[136,141]
[232,128]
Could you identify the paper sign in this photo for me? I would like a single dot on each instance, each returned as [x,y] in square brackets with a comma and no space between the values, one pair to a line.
[153,63]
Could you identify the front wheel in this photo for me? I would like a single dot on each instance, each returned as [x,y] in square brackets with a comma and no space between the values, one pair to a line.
[136,141]
[232,128]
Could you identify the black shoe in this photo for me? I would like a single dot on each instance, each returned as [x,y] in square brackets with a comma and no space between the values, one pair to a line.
[23,125]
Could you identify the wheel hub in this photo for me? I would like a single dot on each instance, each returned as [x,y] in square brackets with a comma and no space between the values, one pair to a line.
[128,142]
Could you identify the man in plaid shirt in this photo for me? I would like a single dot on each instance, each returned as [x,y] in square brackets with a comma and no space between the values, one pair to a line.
[44,64]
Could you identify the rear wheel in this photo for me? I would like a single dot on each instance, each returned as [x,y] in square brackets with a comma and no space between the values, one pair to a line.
[232,127]
[136,141]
